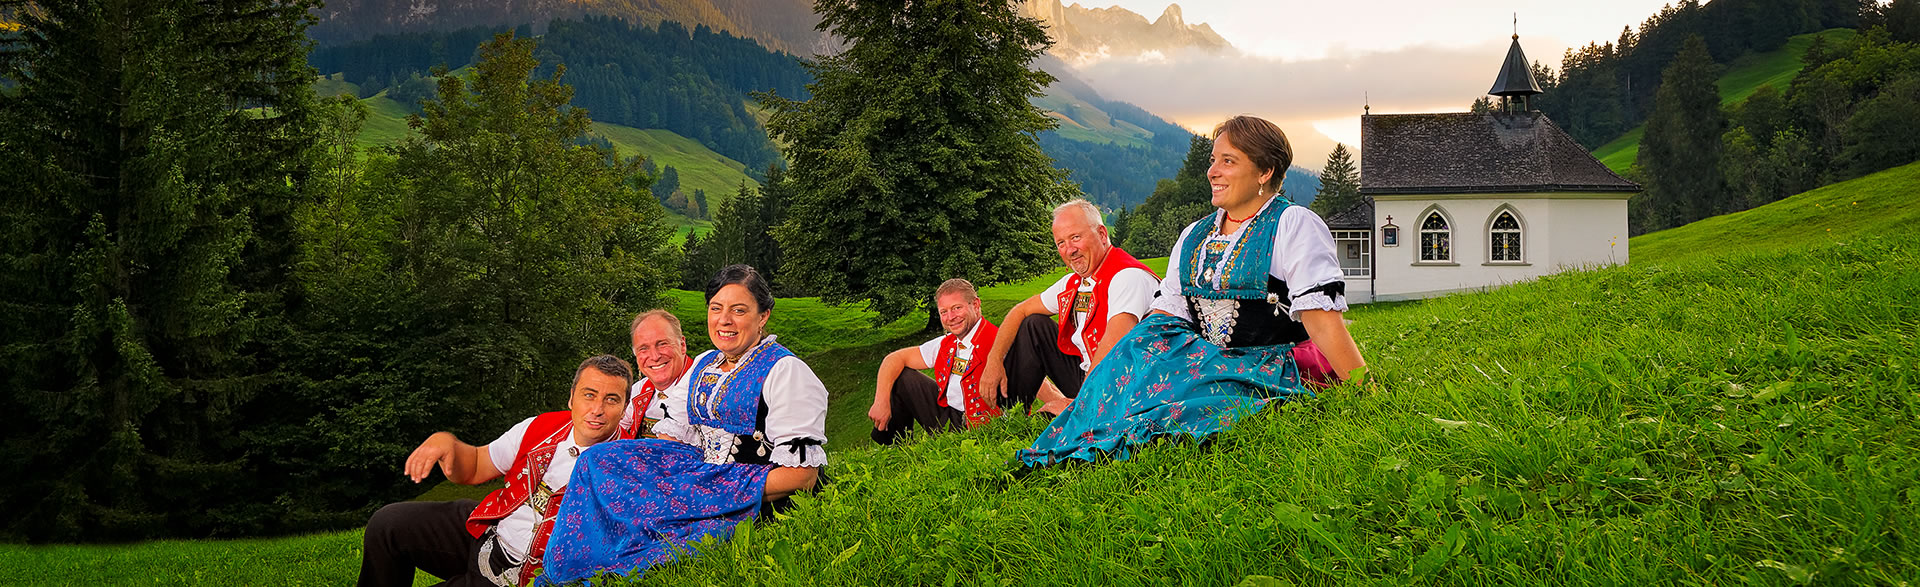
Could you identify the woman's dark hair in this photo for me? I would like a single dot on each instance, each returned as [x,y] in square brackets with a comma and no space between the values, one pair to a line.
[747,277]
[1263,142]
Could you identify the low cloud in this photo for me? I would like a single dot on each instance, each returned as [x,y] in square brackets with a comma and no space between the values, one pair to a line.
[1198,89]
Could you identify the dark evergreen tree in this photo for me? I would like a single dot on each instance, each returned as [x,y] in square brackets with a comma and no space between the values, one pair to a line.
[457,288]
[700,204]
[152,150]
[1481,105]
[1682,146]
[915,159]
[1339,184]
[666,184]
[1885,131]
[1902,18]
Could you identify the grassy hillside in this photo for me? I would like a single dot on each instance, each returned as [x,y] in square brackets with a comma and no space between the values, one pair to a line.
[1730,415]
[698,166]
[1736,413]
[1082,121]
[1745,75]
[1879,205]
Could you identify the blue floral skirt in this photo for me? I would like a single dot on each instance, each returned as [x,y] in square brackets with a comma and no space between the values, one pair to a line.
[630,503]
[1163,379]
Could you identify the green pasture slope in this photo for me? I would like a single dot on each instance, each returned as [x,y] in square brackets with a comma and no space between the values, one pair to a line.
[1737,405]
[1082,121]
[1776,68]
[698,166]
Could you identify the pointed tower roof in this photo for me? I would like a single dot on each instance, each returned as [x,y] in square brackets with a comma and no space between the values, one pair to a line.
[1516,77]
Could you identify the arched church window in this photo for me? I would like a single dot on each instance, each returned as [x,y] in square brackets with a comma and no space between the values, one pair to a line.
[1436,240]
[1505,241]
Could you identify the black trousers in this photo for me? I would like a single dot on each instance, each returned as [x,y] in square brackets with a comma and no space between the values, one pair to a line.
[427,535]
[1035,356]
[916,400]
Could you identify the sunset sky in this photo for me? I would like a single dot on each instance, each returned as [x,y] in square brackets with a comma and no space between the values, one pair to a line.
[1310,66]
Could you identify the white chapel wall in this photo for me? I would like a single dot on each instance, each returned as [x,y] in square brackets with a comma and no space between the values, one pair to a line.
[1556,233]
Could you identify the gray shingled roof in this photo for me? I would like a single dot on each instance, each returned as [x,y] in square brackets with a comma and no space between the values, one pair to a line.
[1359,216]
[1476,153]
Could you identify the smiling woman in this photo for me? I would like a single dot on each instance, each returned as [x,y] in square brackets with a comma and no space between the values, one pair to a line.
[746,426]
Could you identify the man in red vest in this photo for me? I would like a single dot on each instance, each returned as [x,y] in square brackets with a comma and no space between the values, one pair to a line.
[1107,292]
[660,354]
[903,396]
[500,539]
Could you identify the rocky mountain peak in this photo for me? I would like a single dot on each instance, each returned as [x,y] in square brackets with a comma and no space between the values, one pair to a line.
[1084,35]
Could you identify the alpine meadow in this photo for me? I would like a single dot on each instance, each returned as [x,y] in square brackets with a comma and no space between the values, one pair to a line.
[258,256]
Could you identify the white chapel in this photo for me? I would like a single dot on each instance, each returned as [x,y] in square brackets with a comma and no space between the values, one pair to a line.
[1463,201]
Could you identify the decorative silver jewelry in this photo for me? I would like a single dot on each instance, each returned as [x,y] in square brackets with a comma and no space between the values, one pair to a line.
[1217,319]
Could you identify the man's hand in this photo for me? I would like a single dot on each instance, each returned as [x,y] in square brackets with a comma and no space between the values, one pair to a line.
[436,450]
[663,436]
[880,413]
[993,381]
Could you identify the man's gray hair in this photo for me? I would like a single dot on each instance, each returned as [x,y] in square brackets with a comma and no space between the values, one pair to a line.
[1085,207]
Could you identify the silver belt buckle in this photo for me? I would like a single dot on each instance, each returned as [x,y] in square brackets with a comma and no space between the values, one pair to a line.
[504,577]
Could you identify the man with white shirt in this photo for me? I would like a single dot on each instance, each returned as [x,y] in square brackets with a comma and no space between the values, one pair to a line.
[903,396]
[499,540]
[660,354]
[1107,292]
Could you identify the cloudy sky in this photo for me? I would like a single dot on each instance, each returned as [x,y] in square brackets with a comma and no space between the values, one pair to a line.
[1311,65]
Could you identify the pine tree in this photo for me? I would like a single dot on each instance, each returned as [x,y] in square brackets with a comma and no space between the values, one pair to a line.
[1339,184]
[915,160]
[1481,105]
[152,150]
[1682,147]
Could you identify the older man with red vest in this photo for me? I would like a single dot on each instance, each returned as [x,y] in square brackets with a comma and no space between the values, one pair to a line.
[1107,292]
[499,540]
[660,354]
[903,397]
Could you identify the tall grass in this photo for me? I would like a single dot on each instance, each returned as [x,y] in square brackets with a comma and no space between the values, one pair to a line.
[1743,418]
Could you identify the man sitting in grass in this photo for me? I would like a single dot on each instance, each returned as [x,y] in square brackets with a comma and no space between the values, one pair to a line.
[660,354]
[499,540]
[1104,295]
[902,396]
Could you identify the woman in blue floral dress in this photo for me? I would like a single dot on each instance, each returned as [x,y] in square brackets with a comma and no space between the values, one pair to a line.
[1249,314]
[745,426]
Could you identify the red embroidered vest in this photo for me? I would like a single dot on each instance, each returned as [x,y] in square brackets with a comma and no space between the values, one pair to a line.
[1097,313]
[978,410]
[529,466]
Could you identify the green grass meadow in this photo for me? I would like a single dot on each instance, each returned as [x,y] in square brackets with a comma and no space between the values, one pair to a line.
[1736,406]
[699,167]
[1742,78]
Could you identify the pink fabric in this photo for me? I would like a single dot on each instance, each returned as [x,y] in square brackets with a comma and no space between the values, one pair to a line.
[1314,367]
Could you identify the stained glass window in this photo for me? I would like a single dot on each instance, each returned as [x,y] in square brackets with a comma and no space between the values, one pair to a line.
[1505,241]
[1436,240]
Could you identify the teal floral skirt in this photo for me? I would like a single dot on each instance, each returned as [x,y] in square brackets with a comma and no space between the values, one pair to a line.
[1162,379]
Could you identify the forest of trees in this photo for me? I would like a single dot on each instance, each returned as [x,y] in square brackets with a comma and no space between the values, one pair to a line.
[1850,111]
[1604,89]
[692,82]
[225,319]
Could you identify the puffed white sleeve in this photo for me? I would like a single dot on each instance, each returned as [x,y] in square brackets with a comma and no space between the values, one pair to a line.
[670,405]
[1304,258]
[504,449]
[796,414]
[1168,299]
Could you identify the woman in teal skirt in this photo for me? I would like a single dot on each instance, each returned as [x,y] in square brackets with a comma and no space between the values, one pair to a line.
[1249,314]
